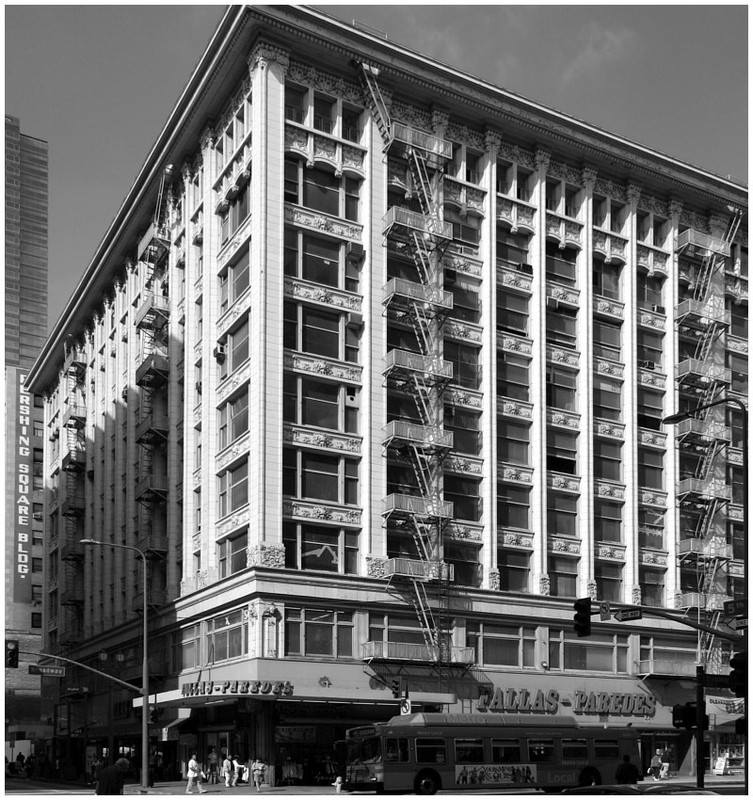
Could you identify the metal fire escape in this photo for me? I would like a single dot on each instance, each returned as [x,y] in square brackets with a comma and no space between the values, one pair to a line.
[703,377]
[152,372]
[423,375]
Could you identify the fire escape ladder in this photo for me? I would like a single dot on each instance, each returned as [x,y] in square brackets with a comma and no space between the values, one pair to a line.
[422,257]
[425,614]
[375,102]
[421,318]
[422,183]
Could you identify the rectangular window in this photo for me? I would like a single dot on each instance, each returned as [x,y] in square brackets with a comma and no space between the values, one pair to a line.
[512,248]
[320,477]
[512,312]
[465,304]
[321,190]
[607,340]
[608,520]
[607,460]
[561,265]
[463,493]
[561,326]
[608,581]
[464,229]
[514,570]
[464,359]
[233,489]
[649,349]
[430,751]
[574,749]
[465,429]
[606,279]
[233,421]
[513,506]
[650,468]
[652,586]
[227,637]
[513,441]
[465,563]
[541,751]
[324,112]
[317,547]
[469,751]
[295,104]
[607,398]
[236,350]
[190,647]
[738,365]
[231,554]
[315,632]
[561,451]
[563,576]
[502,645]
[560,388]
[506,751]
[512,377]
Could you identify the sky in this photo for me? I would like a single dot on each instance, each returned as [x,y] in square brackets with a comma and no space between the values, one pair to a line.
[98,83]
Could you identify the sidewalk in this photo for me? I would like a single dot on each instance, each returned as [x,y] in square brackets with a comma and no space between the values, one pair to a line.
[179,787]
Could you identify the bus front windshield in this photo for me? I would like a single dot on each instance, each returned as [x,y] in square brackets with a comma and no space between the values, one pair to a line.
[368,749]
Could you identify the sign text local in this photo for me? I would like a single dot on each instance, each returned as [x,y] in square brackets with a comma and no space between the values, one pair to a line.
[205,688]
[45,669]
[548,701]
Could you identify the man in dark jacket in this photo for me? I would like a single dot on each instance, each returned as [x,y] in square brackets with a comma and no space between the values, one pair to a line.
[111,778]
[627,772]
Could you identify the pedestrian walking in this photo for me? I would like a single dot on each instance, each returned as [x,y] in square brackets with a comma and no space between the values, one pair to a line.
[257,771]
[194,775]
[626,772]
[655,768]
[227,770]
[212,760]
[110,779]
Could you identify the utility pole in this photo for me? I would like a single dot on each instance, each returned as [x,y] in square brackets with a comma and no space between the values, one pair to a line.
[700,724]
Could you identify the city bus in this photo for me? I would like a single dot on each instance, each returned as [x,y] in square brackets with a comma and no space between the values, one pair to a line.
[426,752]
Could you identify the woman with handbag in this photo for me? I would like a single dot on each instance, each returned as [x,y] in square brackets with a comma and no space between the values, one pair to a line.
[194,775]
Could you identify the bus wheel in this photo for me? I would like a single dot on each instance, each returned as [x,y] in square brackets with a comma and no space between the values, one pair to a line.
[427,783]
[589,777]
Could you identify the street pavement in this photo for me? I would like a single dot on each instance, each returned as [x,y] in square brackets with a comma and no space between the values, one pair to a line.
[727,784]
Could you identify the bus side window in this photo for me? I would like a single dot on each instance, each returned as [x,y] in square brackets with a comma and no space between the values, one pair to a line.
[469,751]
[506,751]
[430,751]
[576,749]
[606,749]
[540,750]
[396,750]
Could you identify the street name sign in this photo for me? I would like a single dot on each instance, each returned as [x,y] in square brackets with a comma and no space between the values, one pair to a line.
[44,669]
[625,614]
[736,608]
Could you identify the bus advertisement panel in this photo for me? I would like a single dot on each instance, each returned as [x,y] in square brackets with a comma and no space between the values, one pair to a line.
[426,752]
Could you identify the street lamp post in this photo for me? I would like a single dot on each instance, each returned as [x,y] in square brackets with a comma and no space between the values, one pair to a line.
[144,666]
[673,419]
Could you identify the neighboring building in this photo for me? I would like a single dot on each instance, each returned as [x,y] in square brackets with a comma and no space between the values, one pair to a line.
[373,362]
[26,170]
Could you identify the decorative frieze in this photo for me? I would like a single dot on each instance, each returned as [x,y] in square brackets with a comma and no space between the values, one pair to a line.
[737,345]
[329,440]
[517,540]
[563,419]
[315,293]
[736,569]
[463,464]
[564,483]
[610,551]
[232,382]
[234,521]
[650,438]
[515,344]
[306,510]
[609,491]
[652,259]
[515,408]
[652,319]
[266,555]
[329,83]
[562,294]
[562,545]
[299,362]
[515,474]
[652,558]
[494,582]
[518,214]
[609,429]
[544,585]
[465,532]
[604,186]
[312,220]
[648,377]
[238,448]
[376,567]
[516,154]
[609,307]
[464,397]
[515,279]
[610,246]
[240,237]
[567,358]
[462,263]
[463,331]
[316,146]
[647,497]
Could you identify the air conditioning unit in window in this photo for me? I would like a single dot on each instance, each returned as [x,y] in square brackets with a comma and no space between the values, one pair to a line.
[659,309]
[351,401]
[526,269]
[354,252]
[199,387]
[354,320]
[219,352]
[552,302]
[649,364]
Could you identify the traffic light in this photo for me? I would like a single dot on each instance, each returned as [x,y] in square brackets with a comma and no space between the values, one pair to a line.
[738,677]
[582,616]
[686,716]
[11,653]
[395,687]
[153,716]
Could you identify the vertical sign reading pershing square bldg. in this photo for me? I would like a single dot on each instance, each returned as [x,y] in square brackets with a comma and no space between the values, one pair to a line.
[24,459]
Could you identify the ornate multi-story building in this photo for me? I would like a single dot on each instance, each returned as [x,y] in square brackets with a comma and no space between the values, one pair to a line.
[372,365]
[26,174]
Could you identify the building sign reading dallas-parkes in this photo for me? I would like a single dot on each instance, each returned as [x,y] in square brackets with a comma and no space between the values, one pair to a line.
[549,701]
[24,485]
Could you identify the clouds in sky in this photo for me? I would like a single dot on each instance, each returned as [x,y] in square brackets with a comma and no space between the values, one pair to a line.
[597,48]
